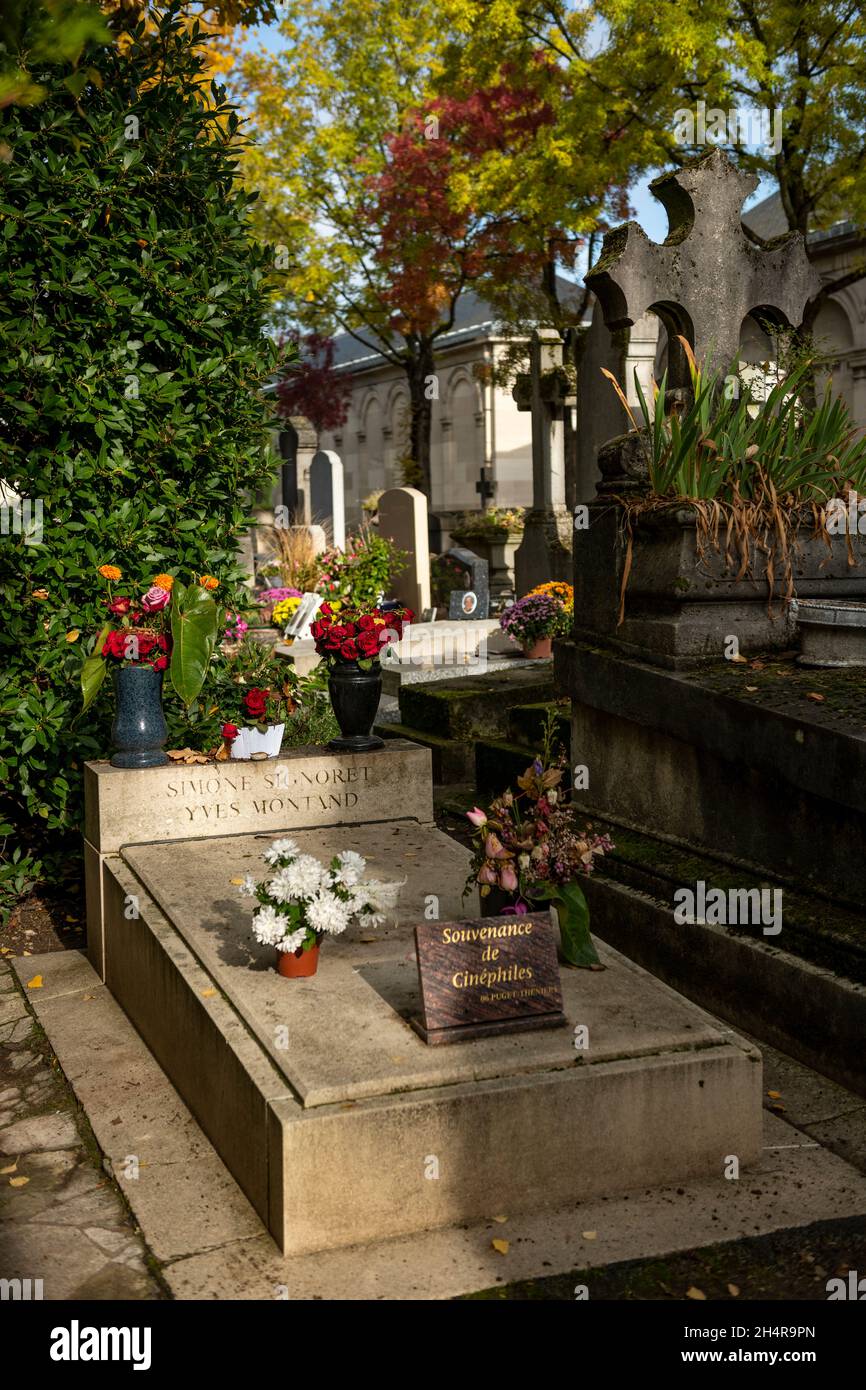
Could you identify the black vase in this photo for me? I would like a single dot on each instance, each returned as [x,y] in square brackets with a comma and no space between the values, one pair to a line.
[139,730]
[355,696]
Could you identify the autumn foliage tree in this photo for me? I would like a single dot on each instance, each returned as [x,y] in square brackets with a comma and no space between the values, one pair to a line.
[311,386]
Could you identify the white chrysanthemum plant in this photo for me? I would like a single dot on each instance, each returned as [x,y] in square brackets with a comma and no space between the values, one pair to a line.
[305,900]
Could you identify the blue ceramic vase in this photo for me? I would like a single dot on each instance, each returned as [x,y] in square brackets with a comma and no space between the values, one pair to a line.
[139,731]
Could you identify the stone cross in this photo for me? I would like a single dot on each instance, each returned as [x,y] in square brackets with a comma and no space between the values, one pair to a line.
[707,276]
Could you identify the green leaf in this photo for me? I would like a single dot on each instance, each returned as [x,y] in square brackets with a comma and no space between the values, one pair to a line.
[93,670]
[572,912]
[193,629]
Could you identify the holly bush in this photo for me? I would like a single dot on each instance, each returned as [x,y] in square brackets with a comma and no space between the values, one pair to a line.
[131,352]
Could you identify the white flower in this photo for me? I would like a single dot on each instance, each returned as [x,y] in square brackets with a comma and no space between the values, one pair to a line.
[281,886]
[552,797]
[280,849]
[268,926]
[289,944]
[327,913]
[300,879]
[248,887]
[374,900]
[352,866]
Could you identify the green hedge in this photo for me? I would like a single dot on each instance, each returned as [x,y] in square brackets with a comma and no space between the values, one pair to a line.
[131,352]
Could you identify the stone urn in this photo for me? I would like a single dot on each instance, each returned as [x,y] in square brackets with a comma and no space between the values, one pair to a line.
[139,731]
[355,695]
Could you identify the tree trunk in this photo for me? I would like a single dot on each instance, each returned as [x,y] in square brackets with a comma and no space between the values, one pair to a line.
[423,390]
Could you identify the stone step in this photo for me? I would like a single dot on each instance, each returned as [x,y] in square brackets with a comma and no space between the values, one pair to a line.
[526,724]
[473,707]
[451,759]
[498,764]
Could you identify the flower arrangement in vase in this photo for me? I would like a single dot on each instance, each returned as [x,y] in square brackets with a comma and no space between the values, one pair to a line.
[534,620]
[529,846]
[350,642]
[304,900]
[170,627]
[256,729]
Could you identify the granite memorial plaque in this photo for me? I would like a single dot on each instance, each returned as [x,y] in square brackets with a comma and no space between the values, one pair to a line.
[486,976]
[473,600]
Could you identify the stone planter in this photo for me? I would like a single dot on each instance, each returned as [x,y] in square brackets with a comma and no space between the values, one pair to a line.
[831,633]
[499,555]
[680,611]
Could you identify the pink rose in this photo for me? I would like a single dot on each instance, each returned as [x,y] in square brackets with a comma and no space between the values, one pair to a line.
[508,878]
[494,848]
[477,816]
[155,599]
[486,874]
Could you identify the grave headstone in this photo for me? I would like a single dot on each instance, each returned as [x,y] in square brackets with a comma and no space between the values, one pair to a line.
[403,520]
[327,503]
[473,600]
[298,626]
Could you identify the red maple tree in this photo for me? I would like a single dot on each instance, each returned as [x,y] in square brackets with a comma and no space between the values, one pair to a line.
[312,386]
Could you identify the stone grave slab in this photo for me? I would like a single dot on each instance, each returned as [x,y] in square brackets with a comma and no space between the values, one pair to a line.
[321,1087]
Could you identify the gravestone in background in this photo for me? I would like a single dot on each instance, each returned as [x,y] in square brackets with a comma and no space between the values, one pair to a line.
[473,600]
[403,520]
[327,501]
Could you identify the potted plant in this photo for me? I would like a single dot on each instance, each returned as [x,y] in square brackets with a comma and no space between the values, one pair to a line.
[256,728]
[712,513]
[533,621]
[351,642]
[171,626]
[304,900]
[530,848]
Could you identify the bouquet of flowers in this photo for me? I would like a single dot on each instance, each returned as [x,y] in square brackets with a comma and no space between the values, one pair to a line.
[259,712]
[139,632]
[305,900]
[557,589]
[530,845]
[535,617]
[352,635]
[285,607]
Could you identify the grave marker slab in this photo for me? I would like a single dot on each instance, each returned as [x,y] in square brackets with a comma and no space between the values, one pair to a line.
[486,976]
[473,600]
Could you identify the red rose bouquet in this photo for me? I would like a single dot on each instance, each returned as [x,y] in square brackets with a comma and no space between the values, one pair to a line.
[355,635]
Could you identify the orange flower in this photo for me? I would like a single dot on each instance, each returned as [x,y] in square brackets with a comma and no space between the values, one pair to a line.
[207,581]
[40,593]
[164,581]
[109,571]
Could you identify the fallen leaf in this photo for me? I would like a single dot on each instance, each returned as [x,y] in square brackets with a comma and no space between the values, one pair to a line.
[368,940]
[11,1168]
[751,688]
[85,997]
[779,1109]
[36,982]
[814,696]
[733,1290]
[500,1219]
[30,953]
[757,665]
[740,659]
[696,1293]
[589,1235]
[502,1246]
[236,880]
[187,755]
[775,1095]
[18,1182]
[208,993]
[70,919]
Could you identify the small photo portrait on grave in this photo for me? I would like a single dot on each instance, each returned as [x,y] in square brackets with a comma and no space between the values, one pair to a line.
[470,603]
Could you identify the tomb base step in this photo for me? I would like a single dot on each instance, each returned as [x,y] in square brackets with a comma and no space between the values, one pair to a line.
[336,1120]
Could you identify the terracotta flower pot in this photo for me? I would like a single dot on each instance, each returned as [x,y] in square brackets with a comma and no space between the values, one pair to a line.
[298,965]
[541,647]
